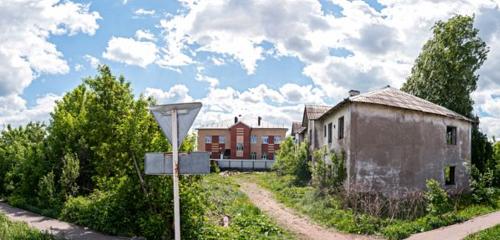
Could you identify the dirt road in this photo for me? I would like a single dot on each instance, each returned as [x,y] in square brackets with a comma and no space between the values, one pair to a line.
[303,227]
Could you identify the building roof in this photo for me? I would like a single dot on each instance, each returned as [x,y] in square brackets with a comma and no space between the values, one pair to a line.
[297,127]
[249,121]
[315,111]
[393,97]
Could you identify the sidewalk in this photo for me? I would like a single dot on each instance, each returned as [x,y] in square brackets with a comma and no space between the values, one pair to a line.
[53,226]
[460,230]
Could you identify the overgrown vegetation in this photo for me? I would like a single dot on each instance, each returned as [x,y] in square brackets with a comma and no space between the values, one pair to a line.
[292,160]
[86,165]
[20,231]
[245,221]
[331,210]
[328,171]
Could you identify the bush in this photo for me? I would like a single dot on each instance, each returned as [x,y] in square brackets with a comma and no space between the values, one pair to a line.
[438,201]
[329,174]
[482,186]
[292,160]
[47,192]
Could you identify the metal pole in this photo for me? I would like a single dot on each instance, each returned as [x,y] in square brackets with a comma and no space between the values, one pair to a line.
[175,168]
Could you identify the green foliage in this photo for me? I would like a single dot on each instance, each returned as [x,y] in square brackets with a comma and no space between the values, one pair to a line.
[20,231]
[482,187]
[69,175]
[492,233]
[438,201]
[329,210]
[445,71]
[47,191]
[328,171]
[245,220]
[496,161]
[293,159]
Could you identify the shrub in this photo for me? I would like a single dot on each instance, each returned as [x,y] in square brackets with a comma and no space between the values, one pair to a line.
[438,201]
[292,159]
[403,205]
[47,191]
[482,186]
[328,174]
[70,172]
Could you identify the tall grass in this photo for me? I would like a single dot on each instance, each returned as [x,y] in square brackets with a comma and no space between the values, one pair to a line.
[10,230]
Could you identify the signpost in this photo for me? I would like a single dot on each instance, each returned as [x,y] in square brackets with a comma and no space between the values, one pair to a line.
[175,121]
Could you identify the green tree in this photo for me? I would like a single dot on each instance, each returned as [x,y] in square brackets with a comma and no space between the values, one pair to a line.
[292,159]
[69,175]
[445,73]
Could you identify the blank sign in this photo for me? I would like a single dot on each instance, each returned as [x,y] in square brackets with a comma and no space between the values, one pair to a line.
[195,163]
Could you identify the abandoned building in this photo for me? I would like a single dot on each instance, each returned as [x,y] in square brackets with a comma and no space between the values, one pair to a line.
[393,141]
[250,138]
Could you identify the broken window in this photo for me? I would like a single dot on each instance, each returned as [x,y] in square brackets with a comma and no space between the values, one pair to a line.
[330,133]
[451,135]
[449,175]
[341,128]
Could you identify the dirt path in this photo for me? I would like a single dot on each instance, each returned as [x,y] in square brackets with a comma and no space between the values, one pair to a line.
[461,230]
[303,227]
[53,226]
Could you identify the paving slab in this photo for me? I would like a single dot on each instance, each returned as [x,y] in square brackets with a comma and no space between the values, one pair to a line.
[53,226]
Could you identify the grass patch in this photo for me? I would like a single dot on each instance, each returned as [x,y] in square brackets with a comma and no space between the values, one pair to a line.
[492,233]
[246,220]
[20,231]
[328,211]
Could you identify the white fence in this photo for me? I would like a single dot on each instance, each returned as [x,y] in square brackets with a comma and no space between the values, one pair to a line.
[244,164]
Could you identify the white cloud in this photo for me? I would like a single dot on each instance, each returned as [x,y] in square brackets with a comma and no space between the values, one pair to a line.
[144,12]
[382,44]
[144,35]
[26,27]
[78,67]
[93,61]
[16,113]
[130,51]
[177,93]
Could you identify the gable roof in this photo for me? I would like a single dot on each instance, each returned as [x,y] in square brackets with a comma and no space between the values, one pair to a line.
[393,97]
[313,112]
[297,127]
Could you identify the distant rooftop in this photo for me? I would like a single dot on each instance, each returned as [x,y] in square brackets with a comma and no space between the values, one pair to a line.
[297,127]
[315,111]
[393,97]
[250,121]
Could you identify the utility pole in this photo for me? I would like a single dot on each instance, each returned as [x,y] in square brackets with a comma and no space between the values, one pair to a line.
[175,167]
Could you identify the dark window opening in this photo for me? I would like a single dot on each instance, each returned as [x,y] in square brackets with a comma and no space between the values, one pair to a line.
[451,135]
[341,128]
[324,130]
[330,133]
[449,175]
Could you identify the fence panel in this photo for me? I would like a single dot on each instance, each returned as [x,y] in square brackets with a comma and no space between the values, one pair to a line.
[244,164]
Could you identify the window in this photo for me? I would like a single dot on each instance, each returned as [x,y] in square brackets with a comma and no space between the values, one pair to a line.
[253,139]
[277,139]
[208,139]
[253,155]
[341,127]
[239,146]
[264,155]
[222,139]
[451,135]
[329,132]
[324,131]
[265,139]
[449,175]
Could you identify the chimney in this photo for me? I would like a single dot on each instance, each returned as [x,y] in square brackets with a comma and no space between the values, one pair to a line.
[258,121]
[353,93]
[235,119]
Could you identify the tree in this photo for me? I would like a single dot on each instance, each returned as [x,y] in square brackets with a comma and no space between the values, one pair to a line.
[445,73]
[292,159]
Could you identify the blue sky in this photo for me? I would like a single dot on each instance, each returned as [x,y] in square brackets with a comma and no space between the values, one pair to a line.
[238,57]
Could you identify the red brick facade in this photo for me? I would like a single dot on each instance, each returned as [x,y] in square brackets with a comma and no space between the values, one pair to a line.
[240,134]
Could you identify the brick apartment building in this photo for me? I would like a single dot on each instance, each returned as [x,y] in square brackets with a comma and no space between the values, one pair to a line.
[241,139]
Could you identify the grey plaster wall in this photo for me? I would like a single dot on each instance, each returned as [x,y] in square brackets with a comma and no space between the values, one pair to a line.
[394,149]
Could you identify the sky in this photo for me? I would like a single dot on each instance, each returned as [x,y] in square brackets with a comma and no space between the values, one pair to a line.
[254,58]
